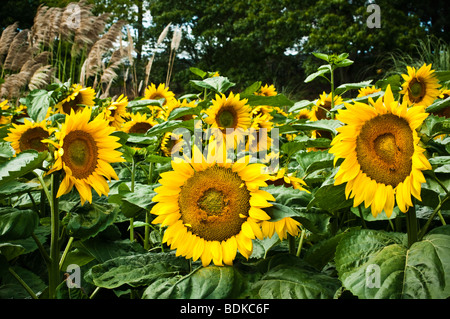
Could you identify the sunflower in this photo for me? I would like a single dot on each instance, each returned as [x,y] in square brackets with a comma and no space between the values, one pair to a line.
[4,119]
[445,112]
[175,104]
[116,111]
[267,90]
[229,112]
[211,209]
[28,136]
[421,86]
[138,123]
[171,145]
[288,180]
[323,105]
[77,96]
[367,91]
[85,151]
[383,162]
[161,92]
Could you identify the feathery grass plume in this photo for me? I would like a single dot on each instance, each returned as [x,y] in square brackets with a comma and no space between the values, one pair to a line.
[19,52]
[148,67]
[101,47]
[41,77]
[6,39]
[176,39]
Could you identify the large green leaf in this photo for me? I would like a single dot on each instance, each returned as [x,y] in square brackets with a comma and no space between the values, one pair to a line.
[20,165]
[292,278]
[377,264]
[90,219]
[279,100]
[16,223]
[219,84]
[137,270]
[211,282]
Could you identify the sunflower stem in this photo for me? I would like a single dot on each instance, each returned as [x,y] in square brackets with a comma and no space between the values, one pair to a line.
[66,251]
[23,283]
[53,269]
[133,173]
[430,219]
[302,236]
[411,225]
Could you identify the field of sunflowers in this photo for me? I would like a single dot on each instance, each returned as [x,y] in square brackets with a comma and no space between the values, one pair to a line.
[226,194]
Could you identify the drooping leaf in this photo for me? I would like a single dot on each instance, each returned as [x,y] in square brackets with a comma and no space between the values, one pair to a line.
[211,282]
[137,270]
[16,223]
[377,264]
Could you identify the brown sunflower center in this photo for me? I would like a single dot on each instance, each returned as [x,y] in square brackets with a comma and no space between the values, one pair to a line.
[214,203]
[31,139]
[416,90]
[226,118]
[384,149]
[322,110]
[73,104]
[80,153]
[140,127]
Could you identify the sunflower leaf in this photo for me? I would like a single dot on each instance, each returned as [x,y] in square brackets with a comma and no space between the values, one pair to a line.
[16,223]
[38,103]
[137,270]
[22,164]
[219,84]
[378,264]
[211,282]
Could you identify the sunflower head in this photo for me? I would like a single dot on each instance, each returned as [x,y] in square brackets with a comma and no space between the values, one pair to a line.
[116,111]
[84,153]
[229,113]
[29,136]
[5,117]
[323,105]
[383,162]
[367,91]
[138,123]
[421,86]
[77,98]
[445,112]
[161,92]
[267,90]
[212,209]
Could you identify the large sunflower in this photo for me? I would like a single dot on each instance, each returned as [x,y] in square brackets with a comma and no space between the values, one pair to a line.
[421,87]
[161,92]
[211,209]
[383,162]
[138,123]
[76,100]
[28,136]
[229,113]
[84,152]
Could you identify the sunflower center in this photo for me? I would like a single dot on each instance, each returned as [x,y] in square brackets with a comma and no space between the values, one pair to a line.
[140,127]
[416,90]
[384,149]
[73,104]
[31,139]
[80,153]
[214,203]
[226,118]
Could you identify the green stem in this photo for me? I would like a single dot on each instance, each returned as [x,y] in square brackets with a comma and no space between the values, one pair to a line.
[133,173]
[53,269]
[302,236]
[430,219]
[411,225]
[66,251]
[332,87]
[363,221]
[24,285]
